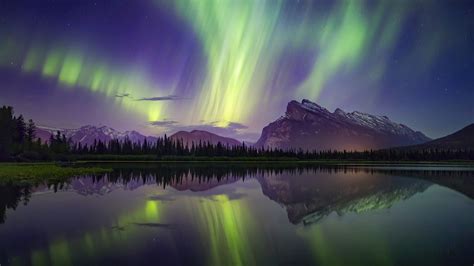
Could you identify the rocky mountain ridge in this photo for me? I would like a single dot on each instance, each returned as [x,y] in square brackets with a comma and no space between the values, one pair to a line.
[307,125]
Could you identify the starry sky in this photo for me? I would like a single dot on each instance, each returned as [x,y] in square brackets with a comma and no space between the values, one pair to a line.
[231,66]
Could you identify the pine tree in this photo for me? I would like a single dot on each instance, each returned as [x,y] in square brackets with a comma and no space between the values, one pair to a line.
[30,132]
[20,133]
[7,127]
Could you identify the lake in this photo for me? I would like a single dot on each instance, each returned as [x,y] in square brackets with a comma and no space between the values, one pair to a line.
[243,214]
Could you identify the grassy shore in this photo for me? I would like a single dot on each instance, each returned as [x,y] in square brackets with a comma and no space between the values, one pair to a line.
[36,172]
[43,172]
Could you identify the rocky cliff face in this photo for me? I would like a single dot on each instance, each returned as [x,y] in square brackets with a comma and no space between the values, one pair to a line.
[309,126]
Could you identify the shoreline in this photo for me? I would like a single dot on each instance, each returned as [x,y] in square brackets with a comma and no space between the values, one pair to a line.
[239,161]
[33,172]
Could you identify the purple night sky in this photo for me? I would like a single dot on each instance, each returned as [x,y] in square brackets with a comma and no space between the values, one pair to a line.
[231,67]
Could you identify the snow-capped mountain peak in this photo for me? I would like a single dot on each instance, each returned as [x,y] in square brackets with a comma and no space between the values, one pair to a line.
[309,105]
[379,123]
[89,133]
[307,125]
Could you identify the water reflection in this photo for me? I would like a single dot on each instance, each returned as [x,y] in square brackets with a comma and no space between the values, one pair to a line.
[302,189]
[240,215]
[309,199]
[11,195]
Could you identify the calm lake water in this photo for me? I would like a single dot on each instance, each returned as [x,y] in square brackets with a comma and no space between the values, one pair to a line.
[203,214]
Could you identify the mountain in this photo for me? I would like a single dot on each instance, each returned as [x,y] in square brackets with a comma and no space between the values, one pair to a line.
[199,135]
[87,134]
[460,140]
[308,197]
[309,126]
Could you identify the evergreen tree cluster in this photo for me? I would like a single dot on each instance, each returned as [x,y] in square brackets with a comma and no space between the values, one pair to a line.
[168,147]
[16,135]
[165,146]
[18,141]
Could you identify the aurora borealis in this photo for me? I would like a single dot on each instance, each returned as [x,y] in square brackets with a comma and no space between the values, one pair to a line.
[159,66]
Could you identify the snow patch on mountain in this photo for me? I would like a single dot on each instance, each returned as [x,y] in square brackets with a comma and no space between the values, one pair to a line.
[88,134]
[307,125]
[378,123]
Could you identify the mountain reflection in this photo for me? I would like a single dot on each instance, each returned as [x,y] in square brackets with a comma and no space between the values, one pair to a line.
[308,198]
[307,192]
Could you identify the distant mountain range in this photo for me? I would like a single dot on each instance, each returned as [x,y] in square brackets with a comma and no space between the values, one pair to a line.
[205,137]
[305,125]
[309,126]
[87,134]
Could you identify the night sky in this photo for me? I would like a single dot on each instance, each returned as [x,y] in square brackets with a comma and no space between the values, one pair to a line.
[231,66]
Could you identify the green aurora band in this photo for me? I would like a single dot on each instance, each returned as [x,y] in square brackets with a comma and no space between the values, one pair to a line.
[74,68]
[242,42]
[244,39]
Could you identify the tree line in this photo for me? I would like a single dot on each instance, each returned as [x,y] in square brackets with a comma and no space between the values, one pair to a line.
[18,141]
[16,135]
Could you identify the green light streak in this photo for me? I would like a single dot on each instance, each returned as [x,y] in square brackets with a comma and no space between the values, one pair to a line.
[227,227]
[39,258]
[103,239]
[341,45]
[7,49]
[241,38]
[71,68]
[74,68]
[235,36]
[52,65]
[33,59]
[89,245]
[152,211]
[324,256]
[336,243]
[97,78]
[59,253]
[243,42]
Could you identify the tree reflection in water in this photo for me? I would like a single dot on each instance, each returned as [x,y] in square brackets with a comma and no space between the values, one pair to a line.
[308,192]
